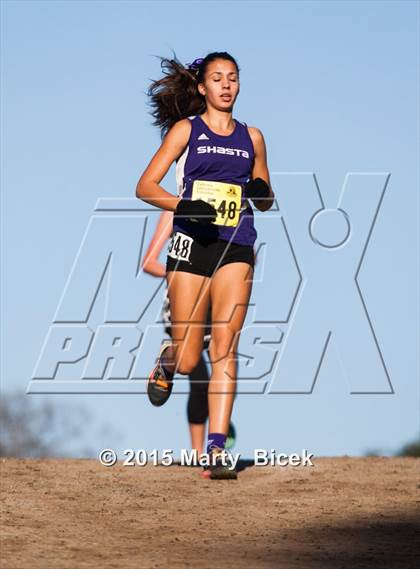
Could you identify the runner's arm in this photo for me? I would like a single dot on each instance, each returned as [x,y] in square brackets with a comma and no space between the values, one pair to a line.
[173,144]
[260,169]
[150,262]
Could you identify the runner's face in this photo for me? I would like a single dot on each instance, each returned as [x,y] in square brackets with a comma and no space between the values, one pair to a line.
[221,84]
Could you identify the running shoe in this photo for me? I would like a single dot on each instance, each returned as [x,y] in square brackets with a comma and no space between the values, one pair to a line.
[159,386]
[205,473]
[220,467]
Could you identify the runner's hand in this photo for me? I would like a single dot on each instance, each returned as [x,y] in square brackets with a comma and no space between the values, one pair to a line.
[257,189]
[196,210]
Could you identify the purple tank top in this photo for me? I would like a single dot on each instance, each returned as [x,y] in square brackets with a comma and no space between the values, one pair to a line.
[211,156]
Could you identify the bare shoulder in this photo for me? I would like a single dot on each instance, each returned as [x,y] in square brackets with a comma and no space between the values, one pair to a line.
[256,136]
[179,132]
[176,139]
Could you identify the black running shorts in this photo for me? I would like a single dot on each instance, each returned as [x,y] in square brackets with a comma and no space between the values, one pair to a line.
[203,256]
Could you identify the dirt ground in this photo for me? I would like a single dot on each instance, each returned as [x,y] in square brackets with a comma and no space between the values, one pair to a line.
[342,513]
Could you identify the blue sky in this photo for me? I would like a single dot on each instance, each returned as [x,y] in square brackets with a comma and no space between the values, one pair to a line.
[333,86]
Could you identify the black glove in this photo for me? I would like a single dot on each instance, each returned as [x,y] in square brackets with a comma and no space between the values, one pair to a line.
[196,210]
[257,189]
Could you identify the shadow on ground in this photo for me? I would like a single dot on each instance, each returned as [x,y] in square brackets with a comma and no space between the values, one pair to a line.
[243,463]
[366,544]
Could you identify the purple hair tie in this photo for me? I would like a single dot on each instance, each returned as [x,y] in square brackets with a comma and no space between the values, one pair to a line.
[196,64]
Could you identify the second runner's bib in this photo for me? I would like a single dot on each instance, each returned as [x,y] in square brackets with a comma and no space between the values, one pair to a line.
[225,198]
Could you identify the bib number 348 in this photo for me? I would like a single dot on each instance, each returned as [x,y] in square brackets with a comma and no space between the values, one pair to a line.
[226,199]
[180,246]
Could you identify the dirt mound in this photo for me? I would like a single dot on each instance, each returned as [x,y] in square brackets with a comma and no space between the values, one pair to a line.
[342,513]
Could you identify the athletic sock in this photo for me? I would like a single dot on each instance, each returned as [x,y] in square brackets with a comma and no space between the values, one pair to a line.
[215,440]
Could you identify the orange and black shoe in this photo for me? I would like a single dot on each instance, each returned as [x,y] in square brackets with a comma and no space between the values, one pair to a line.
[159,386]
[221,466]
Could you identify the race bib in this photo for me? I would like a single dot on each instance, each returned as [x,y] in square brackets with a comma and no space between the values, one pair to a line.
[180,246]
[226,199]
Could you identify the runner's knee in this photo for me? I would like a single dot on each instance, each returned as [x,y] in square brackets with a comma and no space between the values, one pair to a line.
[222,345]
[187,363]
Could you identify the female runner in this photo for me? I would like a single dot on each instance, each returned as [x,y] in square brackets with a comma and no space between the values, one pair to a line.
[221,165]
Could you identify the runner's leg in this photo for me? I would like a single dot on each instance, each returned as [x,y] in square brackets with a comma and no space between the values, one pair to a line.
[230,290]
[197,407]
[189,296]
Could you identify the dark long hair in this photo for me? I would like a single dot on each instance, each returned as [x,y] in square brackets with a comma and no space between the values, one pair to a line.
[175,96]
